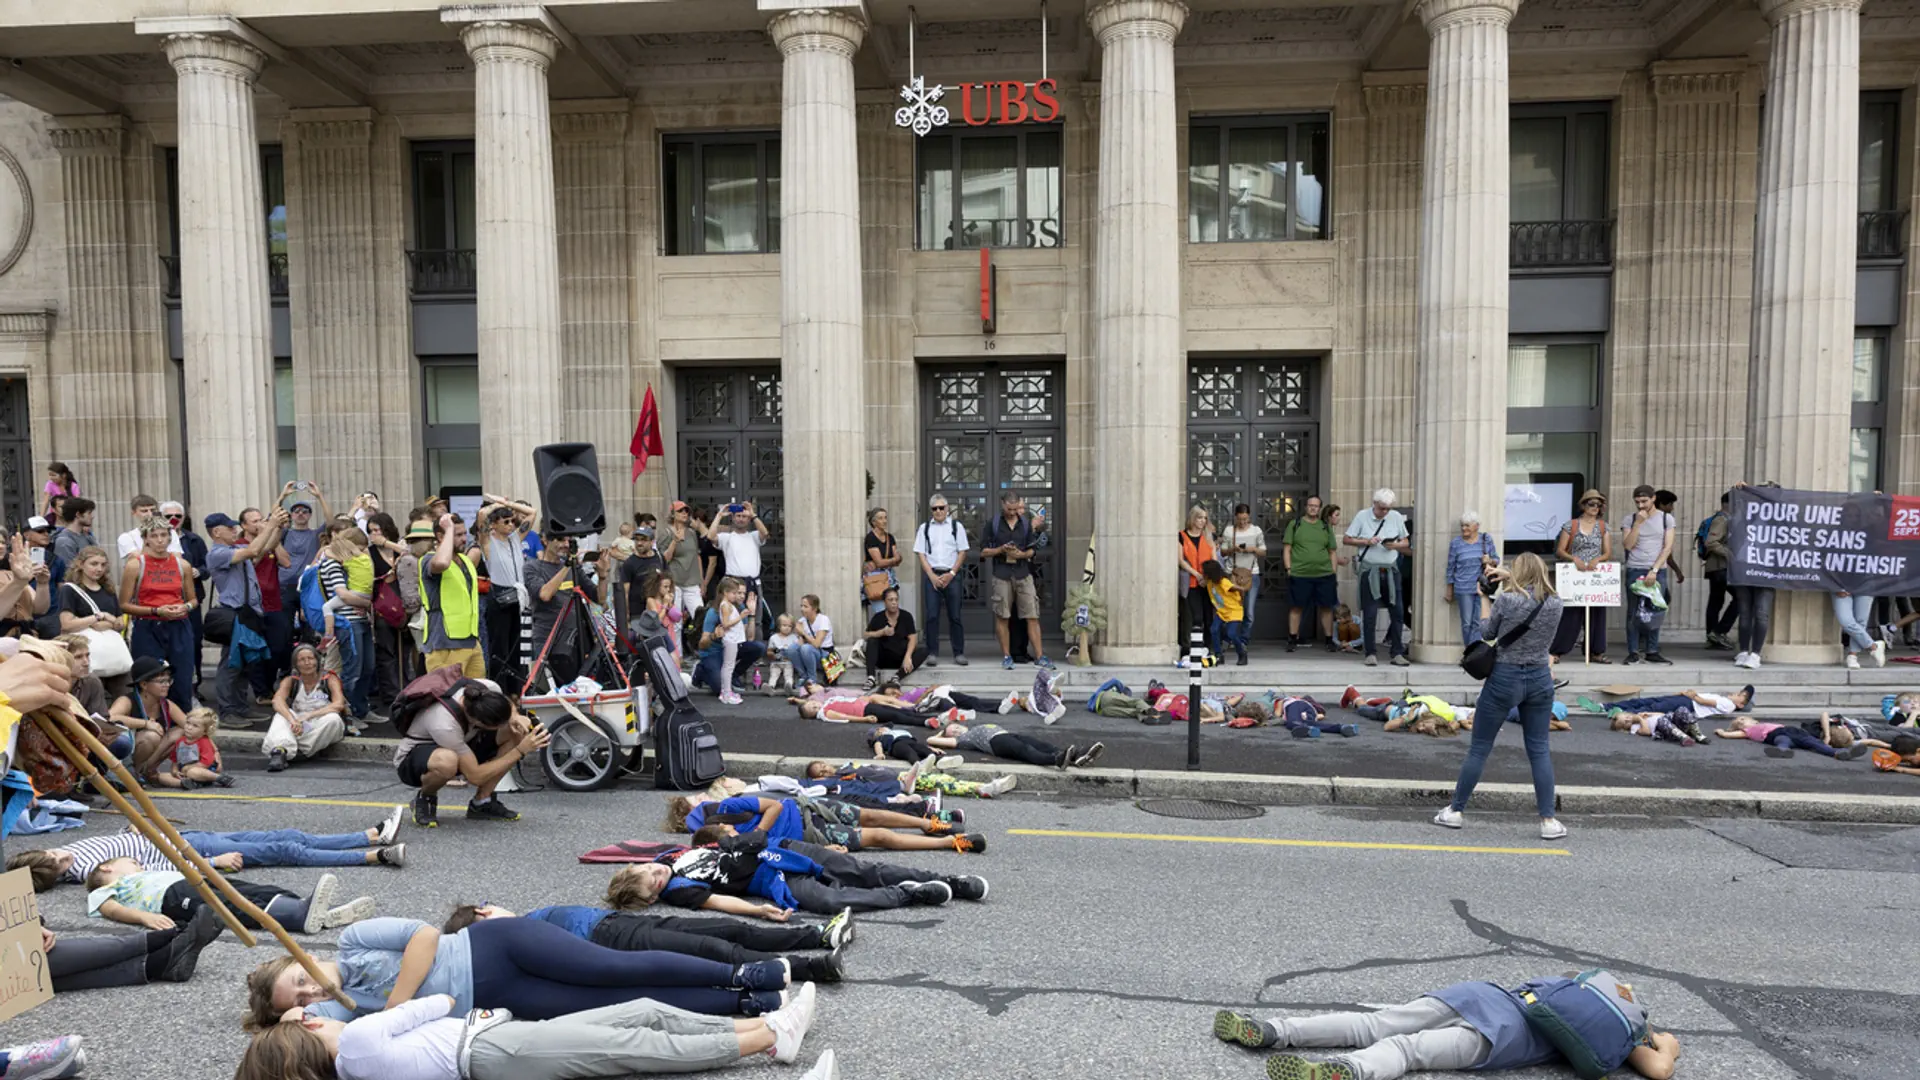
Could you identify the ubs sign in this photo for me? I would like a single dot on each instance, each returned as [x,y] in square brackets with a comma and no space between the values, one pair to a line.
[999,103]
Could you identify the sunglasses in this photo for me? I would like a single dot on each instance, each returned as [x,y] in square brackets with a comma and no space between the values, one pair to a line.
[936,508]
[1593,502]
[176,517]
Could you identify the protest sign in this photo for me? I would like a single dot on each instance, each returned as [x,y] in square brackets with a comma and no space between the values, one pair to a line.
[1824,541]
[24,979]
[1598,587]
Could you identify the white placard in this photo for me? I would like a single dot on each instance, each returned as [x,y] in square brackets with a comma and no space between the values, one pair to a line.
[1535,512]
[468,507]
[1598,587]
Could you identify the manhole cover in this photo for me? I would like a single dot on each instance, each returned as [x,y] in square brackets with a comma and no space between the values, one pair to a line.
[1200,809]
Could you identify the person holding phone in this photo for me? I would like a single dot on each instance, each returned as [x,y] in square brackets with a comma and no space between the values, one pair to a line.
[740,534]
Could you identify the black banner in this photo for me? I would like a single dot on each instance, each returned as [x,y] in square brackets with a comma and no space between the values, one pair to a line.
[1825,541]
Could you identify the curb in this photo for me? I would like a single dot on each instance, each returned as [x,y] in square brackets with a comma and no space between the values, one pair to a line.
[1265,790]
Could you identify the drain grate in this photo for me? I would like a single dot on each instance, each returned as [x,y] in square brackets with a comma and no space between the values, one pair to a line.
[1200,809]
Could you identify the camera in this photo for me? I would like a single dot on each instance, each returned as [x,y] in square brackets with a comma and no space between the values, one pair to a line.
[1488,586]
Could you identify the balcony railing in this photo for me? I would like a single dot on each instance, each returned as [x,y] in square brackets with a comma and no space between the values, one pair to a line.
[276,275]
[1542,244]
[1883,234]
[447,271]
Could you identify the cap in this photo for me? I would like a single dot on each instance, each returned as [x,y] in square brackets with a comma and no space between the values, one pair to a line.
[301,505]
[677,505]
[216,520]
[644,531]
[420,530]
[39,524]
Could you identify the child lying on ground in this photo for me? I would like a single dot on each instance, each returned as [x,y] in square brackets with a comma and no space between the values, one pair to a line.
[1406,713]
[160,899]
[1902,755]
[1160,706]
[1902,709]
[1679,726]
[1304,717]
[1043,701]
[823,821]
[996,741]
[1702,704]
[923,780]
[1781,740]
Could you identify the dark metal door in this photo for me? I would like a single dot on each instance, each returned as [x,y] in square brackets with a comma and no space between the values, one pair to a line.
[991,429]
[730,448]
[18,488]
[1252,438]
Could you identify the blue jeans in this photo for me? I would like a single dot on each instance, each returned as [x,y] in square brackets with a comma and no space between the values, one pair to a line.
[1662,703]
[356,662]
[1854,612]
[933,598]
[1246,621]
[746,654]
[1234,632]
[170,640]
[1637,634]
[283,847]
[1468,601]
[806,662]
[1530,689]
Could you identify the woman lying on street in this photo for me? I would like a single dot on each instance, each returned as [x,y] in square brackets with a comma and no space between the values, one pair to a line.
[433,1038]
[533,968]
[781,875]
[996,741]
[727,941]
[829,822]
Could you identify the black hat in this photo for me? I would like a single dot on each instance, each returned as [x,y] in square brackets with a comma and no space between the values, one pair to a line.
[148,667]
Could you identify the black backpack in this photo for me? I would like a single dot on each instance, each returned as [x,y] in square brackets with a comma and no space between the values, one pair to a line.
[436,687]
[686,751]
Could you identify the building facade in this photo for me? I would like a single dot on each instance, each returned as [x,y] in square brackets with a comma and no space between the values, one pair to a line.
[1136,255]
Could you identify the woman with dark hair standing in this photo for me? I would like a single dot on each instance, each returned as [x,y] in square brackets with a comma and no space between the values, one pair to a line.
[157,591]
[882,555]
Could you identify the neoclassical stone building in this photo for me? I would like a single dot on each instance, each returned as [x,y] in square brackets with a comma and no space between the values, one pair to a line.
[1138,254]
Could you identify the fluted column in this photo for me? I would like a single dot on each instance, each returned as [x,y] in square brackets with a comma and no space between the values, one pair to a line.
[590,206]
[225,329]
[1800,383]
[1460,427]
[1138,359]
[331,264]
[1382,419]
[518,262]
[94,389]
[822,339]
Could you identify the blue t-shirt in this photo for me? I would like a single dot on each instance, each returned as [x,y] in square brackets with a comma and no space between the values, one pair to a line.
[786,827]
[369,963]
[1495,1013]
[575,919]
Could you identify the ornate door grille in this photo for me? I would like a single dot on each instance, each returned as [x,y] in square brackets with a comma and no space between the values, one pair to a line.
[730,448]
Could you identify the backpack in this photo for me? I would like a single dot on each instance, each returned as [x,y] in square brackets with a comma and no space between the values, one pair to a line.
[1593,1019]
[1700,536]
[436,687]
[313,597]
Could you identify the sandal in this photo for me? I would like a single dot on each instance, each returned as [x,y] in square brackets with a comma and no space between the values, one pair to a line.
[1600,659]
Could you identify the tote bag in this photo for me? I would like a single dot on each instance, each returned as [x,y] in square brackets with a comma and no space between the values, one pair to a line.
[107,652]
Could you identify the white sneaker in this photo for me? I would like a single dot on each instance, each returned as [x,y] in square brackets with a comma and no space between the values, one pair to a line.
[1853,661]
[789,1025]
[319,903]
[351,912]
[1551,829]
[1054,716]
[1010,702]
[1753,661]
[824,1069]
[999,785]
[1740,660]
[948,761]
[390,827]
[1449,818]
[1880,654]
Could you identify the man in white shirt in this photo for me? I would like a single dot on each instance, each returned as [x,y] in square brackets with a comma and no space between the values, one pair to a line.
[1382,537]
[740,534]
[144,507]
[941,545]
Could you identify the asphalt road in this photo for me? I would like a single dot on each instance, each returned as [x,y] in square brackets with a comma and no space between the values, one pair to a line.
[1105,956]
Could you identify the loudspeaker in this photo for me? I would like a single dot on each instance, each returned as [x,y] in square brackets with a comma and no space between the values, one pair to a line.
[569,479]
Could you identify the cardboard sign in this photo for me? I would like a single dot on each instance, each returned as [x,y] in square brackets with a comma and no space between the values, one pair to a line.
[1598,587]
[24,979]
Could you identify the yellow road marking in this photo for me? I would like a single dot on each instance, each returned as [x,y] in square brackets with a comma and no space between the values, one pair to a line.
[274,799]
[1271,842]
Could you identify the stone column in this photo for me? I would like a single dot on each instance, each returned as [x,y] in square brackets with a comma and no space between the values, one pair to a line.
[590,206]
[1460,426]
[822,337]
[1800,383]
[1376,401]
[225,332]
[518,289]
[1138,357]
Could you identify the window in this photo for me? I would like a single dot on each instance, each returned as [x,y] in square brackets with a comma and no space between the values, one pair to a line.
[1869,410]
[444,232]
[273,185]
[288,434]
[1553,424]
[996,190]
[1879,151]
[1265,177]
[451,388]
[1559,157]
[722,193]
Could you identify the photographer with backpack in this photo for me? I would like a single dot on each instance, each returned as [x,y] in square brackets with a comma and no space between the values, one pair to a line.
[1591,1022]
[454,726]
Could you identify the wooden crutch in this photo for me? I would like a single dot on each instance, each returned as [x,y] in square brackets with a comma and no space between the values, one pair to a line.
[160,832]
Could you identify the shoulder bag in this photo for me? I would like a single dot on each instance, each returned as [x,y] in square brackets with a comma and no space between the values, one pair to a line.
[1477,661]
[107,651]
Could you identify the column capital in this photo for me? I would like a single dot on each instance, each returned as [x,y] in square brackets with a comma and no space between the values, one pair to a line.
[85,136]
[1775,11]
[809,29]
[213,54]
[1137,18]
[1396,97]
[495,41]
[1438,15]
[333,128]
[1697,85]
[30,327]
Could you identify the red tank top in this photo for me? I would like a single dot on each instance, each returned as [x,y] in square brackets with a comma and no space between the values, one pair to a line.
[159,581]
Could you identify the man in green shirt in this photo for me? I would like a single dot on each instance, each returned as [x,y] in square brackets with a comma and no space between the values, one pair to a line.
[1308,551]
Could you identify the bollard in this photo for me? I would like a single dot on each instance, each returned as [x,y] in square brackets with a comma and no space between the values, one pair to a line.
[1196,664]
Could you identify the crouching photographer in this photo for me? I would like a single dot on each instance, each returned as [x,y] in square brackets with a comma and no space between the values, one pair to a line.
[454,726]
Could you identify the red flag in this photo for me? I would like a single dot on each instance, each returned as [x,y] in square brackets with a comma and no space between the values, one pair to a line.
[646,435]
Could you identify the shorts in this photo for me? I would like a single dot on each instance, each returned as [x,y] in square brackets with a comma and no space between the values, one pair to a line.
[413,767]
[1006,590]
[469,661]
[1320,592]
[829,833]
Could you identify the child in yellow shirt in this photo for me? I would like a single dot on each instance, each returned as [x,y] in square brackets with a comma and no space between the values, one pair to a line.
[1229,610]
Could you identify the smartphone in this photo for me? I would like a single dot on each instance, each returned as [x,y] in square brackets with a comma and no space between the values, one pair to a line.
[38,555]
[736,508]
[303,485]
